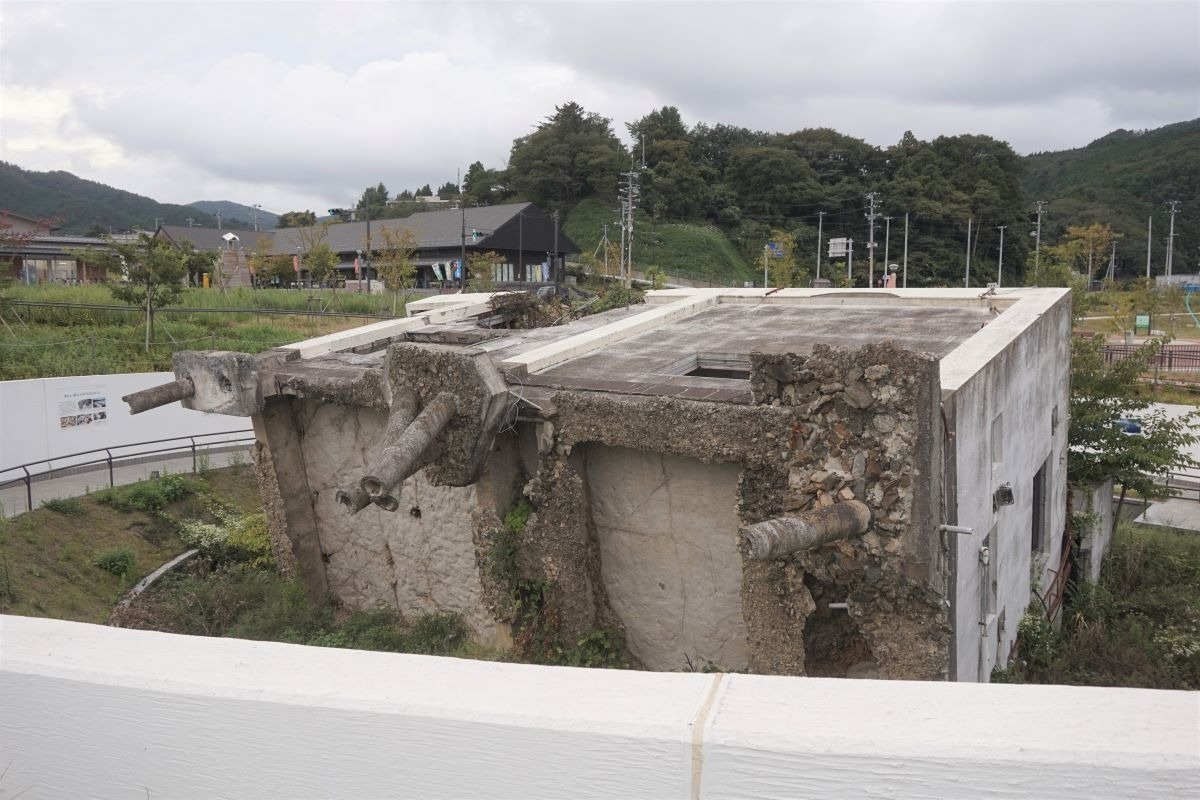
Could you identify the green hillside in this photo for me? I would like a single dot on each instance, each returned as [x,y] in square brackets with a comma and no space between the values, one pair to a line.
[689,250]
[1122,179]
[84,206]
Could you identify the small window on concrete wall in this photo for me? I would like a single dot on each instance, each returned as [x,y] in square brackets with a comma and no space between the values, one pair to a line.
[998,439]
[1037,540]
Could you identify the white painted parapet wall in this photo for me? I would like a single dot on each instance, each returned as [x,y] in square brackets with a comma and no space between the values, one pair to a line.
[90,711]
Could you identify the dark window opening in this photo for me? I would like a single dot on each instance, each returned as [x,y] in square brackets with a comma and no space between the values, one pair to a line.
[1037,538]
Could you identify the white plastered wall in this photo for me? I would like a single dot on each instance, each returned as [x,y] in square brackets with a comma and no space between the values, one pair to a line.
[1017,368]
[667,530]
[419,558]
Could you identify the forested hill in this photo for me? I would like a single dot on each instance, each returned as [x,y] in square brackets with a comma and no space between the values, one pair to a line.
[712,196]
[86,206]
[1124,178]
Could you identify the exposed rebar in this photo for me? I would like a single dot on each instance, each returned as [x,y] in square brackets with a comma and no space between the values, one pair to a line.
[775,538]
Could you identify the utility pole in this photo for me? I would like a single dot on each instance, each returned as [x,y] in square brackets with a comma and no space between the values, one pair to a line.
[905,249]
[218,219]
[871,215]
[967,279]
[1174,205]
[1000,266]
[554,261]
[1037,246]
[1149,239]
[887,241]
[630,191]
[462,259]
[820,220]
[1112,263]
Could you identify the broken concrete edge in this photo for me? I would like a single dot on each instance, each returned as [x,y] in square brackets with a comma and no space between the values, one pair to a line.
[465,305]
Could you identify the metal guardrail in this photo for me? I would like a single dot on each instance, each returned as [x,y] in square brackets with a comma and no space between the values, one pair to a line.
[1170,358]
[1182,484]
[185,444]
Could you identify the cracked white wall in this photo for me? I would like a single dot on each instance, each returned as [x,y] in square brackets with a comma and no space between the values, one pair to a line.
[667,530]
[420,558]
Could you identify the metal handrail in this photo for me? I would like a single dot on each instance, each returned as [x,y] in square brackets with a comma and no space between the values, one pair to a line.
[186,443]
[186,310]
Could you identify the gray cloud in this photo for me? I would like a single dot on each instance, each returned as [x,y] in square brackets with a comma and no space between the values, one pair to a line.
[303,104]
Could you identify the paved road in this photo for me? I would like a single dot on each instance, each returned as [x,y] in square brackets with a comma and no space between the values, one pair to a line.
[76,481]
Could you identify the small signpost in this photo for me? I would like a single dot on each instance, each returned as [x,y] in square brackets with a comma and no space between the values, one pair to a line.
[844,248]
[1141,324]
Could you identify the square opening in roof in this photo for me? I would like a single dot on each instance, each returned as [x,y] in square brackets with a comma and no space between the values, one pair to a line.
[712,365]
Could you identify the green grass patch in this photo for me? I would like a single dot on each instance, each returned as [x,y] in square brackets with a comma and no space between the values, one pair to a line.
[64,505]
[43,341]
[118,561]
[48,558]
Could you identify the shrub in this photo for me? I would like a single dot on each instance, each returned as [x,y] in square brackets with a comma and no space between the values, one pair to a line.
[64,505]
[152,496]
[249,542]
[117,560]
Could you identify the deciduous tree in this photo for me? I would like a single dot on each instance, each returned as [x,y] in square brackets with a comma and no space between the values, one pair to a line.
[296,219]
[155,271]
[395,263]
[1103,393]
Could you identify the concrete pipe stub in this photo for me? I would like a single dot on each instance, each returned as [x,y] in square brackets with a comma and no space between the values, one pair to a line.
[483,403]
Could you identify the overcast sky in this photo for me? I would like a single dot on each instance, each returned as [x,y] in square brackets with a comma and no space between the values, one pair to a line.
[300,105]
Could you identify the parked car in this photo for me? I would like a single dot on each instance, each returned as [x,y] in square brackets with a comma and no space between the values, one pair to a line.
[1129,427]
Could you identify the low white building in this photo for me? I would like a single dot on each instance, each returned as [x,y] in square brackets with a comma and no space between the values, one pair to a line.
[806,482]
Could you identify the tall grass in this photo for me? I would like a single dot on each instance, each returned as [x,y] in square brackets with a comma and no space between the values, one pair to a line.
[1139,626]
[41,341]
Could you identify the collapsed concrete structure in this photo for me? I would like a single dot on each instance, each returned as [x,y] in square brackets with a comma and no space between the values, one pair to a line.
[819,482]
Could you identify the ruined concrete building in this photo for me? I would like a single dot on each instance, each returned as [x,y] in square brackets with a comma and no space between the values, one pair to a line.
[800,482]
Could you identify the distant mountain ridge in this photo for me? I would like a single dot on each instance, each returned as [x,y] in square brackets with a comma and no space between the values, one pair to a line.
[84,206]
[243,214]
[1123,178]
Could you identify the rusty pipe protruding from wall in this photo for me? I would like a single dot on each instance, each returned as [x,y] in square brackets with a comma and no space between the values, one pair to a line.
[160,395]
[775,538]
[402,459]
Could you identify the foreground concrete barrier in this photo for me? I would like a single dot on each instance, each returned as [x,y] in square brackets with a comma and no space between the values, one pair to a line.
[91,711]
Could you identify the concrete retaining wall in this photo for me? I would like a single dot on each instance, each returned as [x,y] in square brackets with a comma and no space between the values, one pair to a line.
[91,711]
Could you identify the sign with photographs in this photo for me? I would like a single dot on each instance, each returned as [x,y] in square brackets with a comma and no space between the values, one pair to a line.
[82,406]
